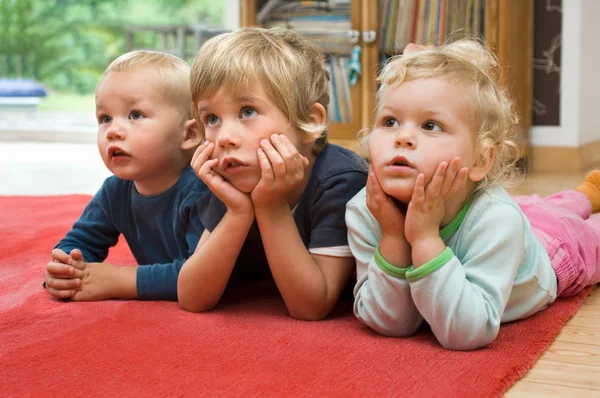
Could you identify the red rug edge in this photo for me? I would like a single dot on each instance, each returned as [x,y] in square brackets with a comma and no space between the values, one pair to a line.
[536,352]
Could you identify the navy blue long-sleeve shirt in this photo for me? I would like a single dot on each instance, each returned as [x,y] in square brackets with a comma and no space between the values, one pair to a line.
[162,231]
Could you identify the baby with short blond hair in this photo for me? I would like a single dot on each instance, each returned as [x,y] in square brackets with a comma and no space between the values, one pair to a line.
[146,138]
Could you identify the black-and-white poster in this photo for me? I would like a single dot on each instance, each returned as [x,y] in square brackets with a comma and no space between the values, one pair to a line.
[546,62]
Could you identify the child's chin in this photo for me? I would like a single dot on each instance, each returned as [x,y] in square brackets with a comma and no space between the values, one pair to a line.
[244,187]
[122,175]
[400,195]
[402,198]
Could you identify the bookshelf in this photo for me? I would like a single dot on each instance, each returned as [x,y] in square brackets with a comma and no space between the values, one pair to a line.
[383,27]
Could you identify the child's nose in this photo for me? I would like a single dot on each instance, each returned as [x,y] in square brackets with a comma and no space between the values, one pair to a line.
[228,136]
[405,137]
[116,131]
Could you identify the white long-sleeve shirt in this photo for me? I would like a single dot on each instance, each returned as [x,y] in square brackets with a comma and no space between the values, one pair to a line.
[493,270]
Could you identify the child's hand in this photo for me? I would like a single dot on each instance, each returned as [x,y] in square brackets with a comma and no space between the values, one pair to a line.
[383,208]
[235,200]
[99,281]
[426,208]
[282,170]
[62,279]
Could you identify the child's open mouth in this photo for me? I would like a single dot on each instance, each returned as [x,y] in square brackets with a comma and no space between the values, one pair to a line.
[233,165]
[400,161]
[116,152]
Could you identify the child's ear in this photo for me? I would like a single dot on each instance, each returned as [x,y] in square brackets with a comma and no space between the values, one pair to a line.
[483,165]
[318,117]
[318,114]
[192,135]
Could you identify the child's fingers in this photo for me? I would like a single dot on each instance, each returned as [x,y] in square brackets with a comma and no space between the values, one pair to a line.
[59,270]
[61,256]
[265,166]
[284,148]
[372,176]
[294,160]
[435,185]
[298,166]
[206,152]
[76,254]
[460,179]
[276,161]
[376,187]
[78,265]
[77,268]
[371,190]
[202,155]
[290,155]
[418,196]
[295,163]
[61,294]
[450,175]
[305,162]
[198,151]
[374,193]
[372,185]
[207,167]
[62,284]
[209,176]
[78,273]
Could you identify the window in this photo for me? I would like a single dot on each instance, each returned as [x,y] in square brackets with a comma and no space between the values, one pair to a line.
[64,45]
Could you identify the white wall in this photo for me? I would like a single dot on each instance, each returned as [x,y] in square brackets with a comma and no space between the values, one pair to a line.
[579,83]
[589,99]
[232,14]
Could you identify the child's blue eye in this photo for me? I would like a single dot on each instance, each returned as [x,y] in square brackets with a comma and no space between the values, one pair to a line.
[135,115]
[104,119]
[432,126]
[211,120]
[248,111]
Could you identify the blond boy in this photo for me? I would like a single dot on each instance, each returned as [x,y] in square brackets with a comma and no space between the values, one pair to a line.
[279,190]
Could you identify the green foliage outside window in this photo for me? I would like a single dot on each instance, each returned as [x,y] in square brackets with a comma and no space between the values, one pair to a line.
[66,44]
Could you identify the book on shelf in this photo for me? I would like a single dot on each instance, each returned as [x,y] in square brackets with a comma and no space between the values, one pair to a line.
[427,21]
[340,104]
[326,24]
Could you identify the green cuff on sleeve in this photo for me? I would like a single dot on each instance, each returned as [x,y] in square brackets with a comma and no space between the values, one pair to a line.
[431,266]
[389,268]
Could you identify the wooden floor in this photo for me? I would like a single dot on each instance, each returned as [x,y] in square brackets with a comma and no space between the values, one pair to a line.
[571,365]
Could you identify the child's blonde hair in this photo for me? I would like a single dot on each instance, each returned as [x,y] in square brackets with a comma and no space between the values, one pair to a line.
[173,72]
[289,67]
[471,64]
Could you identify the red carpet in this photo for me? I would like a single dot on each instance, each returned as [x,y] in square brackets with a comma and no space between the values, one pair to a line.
[246,347]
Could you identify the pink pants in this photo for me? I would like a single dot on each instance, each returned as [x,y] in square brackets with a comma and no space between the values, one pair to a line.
[570,235]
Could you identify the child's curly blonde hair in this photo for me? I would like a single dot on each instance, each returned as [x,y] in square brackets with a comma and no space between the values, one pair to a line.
[471,64]
[289,67]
